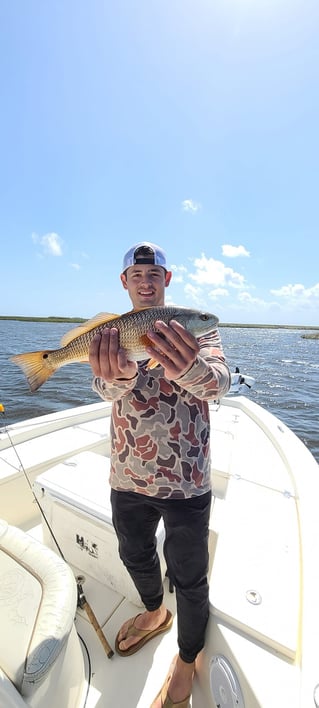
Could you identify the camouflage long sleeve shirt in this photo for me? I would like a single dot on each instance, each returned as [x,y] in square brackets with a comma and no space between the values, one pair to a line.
[160,429]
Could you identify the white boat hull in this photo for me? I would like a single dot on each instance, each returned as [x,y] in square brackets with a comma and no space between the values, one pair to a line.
[263,630]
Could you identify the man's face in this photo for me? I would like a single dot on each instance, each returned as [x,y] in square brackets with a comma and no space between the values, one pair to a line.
[146,284]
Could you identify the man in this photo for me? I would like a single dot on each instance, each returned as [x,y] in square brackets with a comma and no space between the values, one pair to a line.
[160,466]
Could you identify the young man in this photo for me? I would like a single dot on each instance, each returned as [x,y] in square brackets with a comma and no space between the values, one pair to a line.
[160,466]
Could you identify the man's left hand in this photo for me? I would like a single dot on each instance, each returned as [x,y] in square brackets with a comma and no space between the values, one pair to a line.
[173,347]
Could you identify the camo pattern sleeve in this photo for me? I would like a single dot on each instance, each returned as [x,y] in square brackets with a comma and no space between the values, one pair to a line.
[160,429]
[209,377]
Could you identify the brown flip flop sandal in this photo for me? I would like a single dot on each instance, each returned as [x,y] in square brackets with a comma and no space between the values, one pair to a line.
[166,701]
[144,634]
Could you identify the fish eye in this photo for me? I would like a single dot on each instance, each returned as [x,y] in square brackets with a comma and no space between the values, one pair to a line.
[204,316]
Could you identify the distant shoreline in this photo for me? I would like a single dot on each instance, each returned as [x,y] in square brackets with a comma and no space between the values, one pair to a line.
[75,320]
[43,319]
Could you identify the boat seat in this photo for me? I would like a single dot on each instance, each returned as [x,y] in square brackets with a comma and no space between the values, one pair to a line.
[9,696]
[40,653]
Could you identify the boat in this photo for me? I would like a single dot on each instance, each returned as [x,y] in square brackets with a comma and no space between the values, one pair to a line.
[64,593]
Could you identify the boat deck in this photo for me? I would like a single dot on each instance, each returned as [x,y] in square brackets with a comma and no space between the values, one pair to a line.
[111,677]
[263,575]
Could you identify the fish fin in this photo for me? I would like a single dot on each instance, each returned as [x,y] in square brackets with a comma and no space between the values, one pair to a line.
[152,363]
[35,367]
[87,326]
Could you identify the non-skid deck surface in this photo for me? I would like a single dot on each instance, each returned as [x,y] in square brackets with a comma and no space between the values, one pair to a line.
[123,682]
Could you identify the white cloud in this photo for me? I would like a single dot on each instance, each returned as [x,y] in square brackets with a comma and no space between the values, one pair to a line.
[190,205]
[212,272]
[180,268]
[205,280]
[51,243]
[195,294]
[246,298]
[234,251]
[217,293]
[297,291]
[178,273]
[76,266]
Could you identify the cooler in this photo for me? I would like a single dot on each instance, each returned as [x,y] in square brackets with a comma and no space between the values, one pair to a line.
[75,498]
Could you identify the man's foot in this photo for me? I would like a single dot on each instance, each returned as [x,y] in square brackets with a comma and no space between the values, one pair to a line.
[138,630]
[177,687]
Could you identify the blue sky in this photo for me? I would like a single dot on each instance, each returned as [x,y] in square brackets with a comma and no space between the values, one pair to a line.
[190,124]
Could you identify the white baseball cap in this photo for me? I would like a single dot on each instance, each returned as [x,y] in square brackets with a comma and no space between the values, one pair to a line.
[144,253]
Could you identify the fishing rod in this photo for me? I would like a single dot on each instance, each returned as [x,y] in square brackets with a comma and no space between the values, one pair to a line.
[82,602]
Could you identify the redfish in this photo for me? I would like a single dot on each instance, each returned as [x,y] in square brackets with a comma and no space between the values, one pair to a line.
[132,327]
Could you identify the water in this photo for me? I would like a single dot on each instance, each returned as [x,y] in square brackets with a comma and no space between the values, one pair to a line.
[285,366]
[286,369]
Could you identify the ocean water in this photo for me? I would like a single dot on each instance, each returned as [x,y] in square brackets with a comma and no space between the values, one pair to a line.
[285,366]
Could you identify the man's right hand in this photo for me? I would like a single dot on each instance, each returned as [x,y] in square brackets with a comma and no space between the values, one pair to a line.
[107,359]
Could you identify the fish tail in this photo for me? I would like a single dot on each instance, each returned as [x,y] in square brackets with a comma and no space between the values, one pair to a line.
[36,366]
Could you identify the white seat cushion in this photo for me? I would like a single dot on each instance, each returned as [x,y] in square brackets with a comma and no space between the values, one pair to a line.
[38,598]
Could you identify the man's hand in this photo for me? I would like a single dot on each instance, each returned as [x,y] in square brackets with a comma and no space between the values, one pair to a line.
[174,348]
[107,359]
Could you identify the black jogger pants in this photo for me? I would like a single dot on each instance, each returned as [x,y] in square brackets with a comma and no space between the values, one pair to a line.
[135,519]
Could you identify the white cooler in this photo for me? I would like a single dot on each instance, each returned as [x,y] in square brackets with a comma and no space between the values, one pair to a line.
[75,498]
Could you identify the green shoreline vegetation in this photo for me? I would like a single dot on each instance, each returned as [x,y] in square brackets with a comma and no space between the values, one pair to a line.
[76,320]
[43,319]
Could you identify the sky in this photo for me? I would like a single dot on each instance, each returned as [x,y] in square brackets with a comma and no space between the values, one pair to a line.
[193,125]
